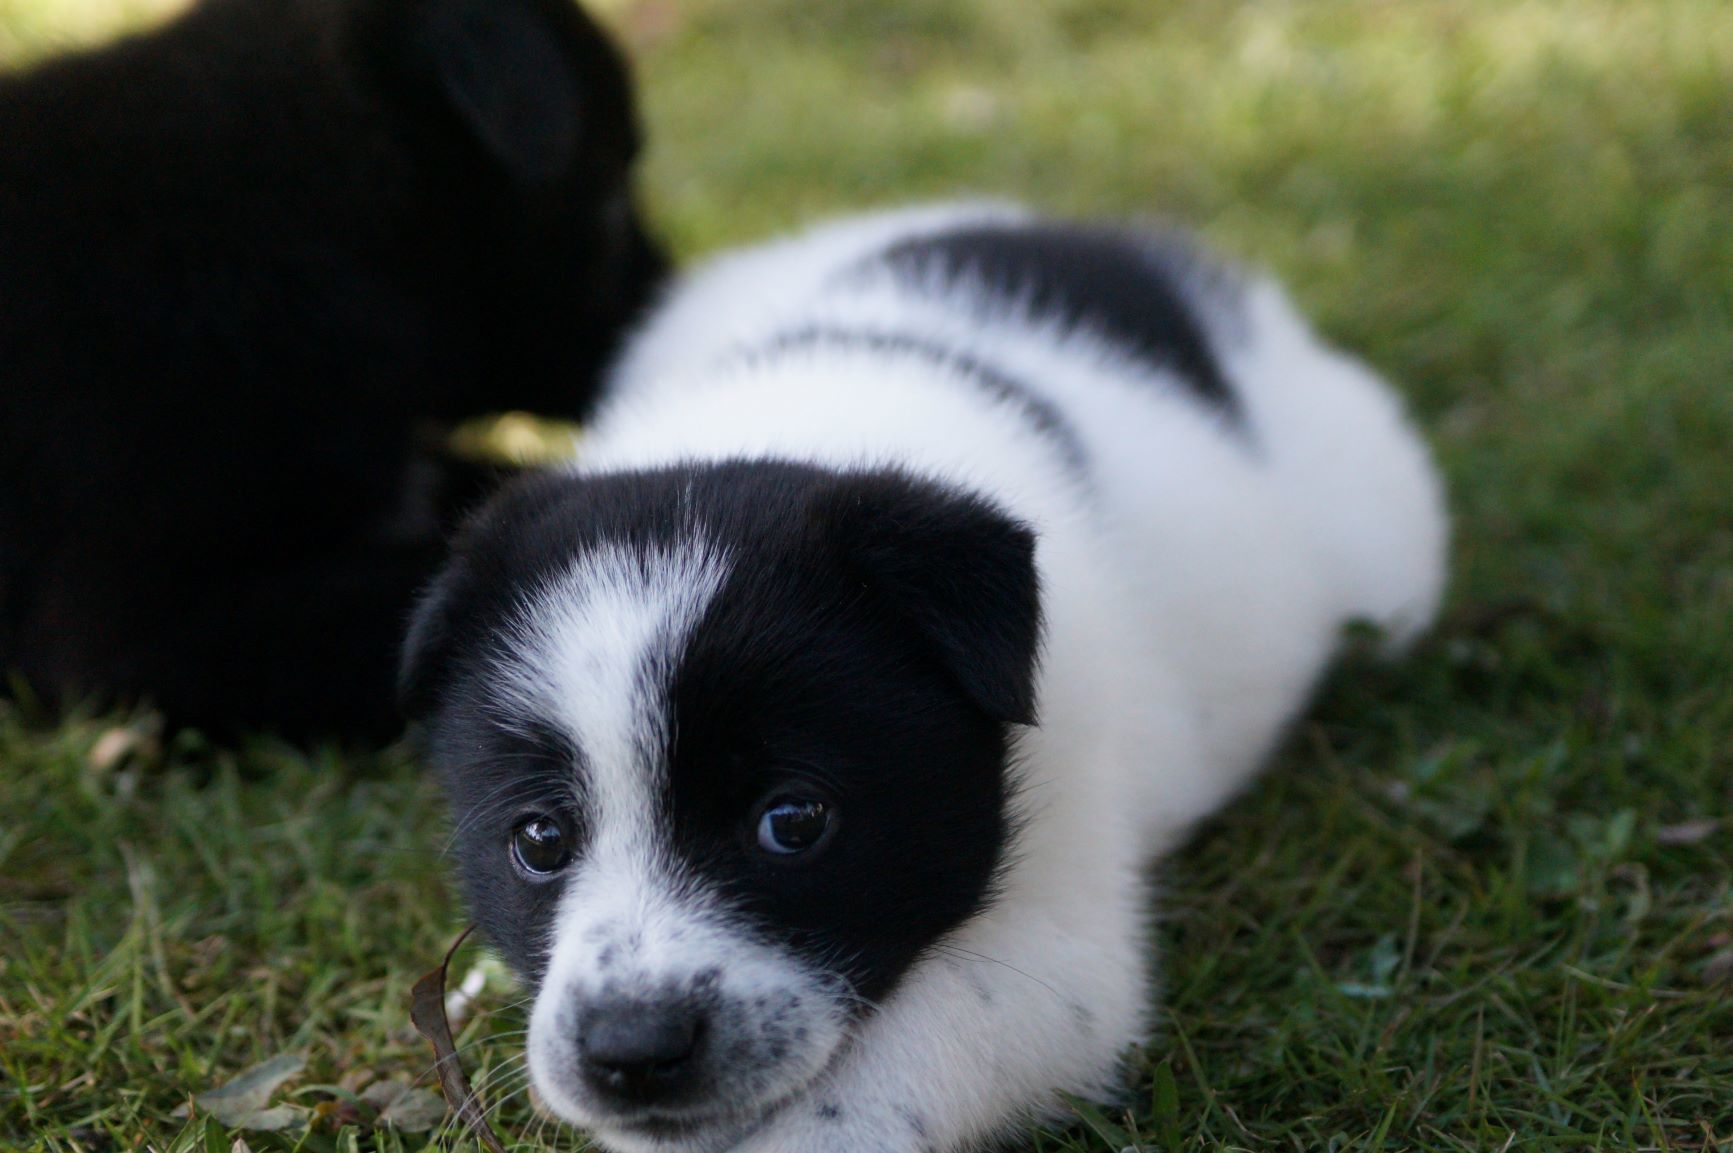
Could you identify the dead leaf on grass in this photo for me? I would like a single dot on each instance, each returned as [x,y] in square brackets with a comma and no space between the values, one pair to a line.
[244,1102]
[427,1010]
[416,1111]
[381,1094]
[405,1107]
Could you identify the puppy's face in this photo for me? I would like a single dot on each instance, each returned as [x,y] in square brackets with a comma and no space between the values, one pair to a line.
[727,753]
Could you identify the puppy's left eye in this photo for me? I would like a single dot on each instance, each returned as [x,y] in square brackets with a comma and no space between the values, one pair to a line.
[540,846]
[791,825]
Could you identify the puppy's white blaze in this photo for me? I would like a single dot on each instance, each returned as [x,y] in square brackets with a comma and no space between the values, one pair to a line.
[591,655]
[587,652]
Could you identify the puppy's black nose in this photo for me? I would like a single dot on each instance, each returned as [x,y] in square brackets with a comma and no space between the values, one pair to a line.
[640,1052]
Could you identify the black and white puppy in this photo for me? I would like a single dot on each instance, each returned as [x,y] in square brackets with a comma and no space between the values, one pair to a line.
[926,576]
[244,260]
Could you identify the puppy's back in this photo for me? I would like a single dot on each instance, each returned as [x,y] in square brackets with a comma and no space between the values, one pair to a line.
[1178,372]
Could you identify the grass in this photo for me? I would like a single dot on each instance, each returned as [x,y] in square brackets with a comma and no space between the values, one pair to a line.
[1482,901]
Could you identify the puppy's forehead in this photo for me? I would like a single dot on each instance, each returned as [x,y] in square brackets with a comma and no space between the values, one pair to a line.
[593,648]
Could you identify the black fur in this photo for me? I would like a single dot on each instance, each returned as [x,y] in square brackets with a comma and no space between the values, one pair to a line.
[244,262]
[1114,282]
[875,636]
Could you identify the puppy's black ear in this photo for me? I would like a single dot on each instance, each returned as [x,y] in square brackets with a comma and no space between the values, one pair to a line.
[422,665]
[517,74]
[958,569]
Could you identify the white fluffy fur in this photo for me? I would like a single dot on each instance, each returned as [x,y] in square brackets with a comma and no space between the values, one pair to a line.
[1193,590]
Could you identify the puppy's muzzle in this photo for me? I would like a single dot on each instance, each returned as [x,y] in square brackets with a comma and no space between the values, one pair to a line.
[641,1053]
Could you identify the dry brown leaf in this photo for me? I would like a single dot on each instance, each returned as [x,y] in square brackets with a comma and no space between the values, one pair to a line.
[427,1010]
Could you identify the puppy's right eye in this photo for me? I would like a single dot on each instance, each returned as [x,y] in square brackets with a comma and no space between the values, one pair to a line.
[788,827]
[539,846]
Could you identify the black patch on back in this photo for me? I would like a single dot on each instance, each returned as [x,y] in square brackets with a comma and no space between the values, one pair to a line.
[1109,280]
[874,637]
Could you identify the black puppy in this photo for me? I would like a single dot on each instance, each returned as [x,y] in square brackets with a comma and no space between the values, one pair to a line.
[243,262]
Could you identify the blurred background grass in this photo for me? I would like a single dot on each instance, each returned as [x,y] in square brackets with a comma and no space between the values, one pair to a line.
[1483,901]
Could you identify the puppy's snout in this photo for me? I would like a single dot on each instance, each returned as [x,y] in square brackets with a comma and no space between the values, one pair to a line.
[640,1052]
